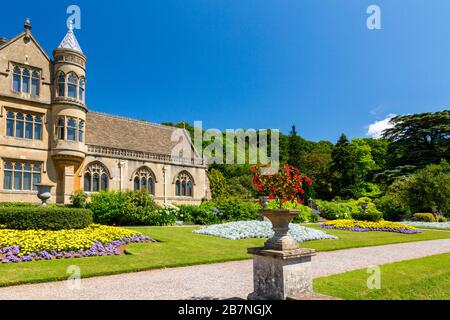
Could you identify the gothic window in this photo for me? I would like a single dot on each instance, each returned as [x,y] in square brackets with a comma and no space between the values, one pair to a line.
[184,186]
[61,128]
[21,175]
[61,85]
[26,80]
[96,178]
[17,79]
[72,84]
[23,126]
[71,129]
[80,131]
[35,83]
[144,179]
[81,90]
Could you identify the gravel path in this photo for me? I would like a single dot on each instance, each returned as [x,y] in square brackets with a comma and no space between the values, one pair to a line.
[215,281]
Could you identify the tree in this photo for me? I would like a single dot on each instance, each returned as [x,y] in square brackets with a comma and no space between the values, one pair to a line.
[294,148]
[419,139]
[217,183]
[344,169]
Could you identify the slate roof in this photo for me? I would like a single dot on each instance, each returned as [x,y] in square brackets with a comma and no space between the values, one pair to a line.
[128,134]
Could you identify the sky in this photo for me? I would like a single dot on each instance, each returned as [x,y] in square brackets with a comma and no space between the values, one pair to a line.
[255,63]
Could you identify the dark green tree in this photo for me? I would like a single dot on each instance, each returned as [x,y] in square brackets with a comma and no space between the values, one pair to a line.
[344,169]
[294,148]
[419,139]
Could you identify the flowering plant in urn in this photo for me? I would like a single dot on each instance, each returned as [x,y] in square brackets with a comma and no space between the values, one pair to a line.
[282,186]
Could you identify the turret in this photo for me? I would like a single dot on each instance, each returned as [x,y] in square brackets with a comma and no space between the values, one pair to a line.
[68,102]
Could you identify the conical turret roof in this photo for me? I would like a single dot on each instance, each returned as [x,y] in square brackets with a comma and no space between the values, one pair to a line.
[70,41]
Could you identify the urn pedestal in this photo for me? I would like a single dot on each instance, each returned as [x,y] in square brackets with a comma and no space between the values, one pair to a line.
[281,269]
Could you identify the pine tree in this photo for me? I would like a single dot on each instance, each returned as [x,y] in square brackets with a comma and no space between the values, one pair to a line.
[344,169]
[294,148]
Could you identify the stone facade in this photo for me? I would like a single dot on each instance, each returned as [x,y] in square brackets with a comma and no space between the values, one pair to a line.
[48,135]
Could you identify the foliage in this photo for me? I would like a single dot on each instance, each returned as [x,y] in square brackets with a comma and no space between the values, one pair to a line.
[294,148]
[28,245]
[419,139]
[305,213]
[364,226]
[78,199]
[128,208]
[260,229]
[235,209]
[203,215]
[217,183]
[17,205]
[426,190]
[285,185]
[442,219]
[393,207]
[44,218]
[424,217]
[368,216]
[345,209]
[344,167]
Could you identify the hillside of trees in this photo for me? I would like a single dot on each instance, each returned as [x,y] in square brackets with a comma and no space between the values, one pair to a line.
[362,167]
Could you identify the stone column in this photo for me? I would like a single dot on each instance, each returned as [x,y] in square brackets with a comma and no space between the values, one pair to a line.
[278,274]
[69,174]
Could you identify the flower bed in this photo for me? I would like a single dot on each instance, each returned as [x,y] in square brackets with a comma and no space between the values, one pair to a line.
[260,229]
[365,226]
[437,225]
[95,240]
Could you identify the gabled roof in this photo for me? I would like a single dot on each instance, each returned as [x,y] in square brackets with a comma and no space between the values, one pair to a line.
[128,134]
[70,41]
[30,36]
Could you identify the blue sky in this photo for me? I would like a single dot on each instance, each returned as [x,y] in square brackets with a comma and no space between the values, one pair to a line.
[255,63]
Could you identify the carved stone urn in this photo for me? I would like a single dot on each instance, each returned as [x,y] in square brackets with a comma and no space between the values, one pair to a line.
[280,219]
[44,193]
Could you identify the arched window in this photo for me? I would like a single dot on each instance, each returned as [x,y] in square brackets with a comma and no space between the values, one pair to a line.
[144,179]
[81,90]
[72,84]
[71,129]
[184,185]
[61,85]
[80,131]
[35,83]
[17,79]
[61,128]
[96,178]
[26,81]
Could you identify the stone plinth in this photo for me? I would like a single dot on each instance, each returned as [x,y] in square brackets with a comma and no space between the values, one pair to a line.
[281,274]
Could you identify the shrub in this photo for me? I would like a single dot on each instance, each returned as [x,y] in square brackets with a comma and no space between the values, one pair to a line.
[442,219]
[17,205]
[424,217]
[234,209]
[125,208]
[368,216]
[393,208]
[205,214]
[44,218]
[334,210]
[78,199]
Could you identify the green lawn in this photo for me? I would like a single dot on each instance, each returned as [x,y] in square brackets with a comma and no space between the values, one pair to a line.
[420,279]
[180,247]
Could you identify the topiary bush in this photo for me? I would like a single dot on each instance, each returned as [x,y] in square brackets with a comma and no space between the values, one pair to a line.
[44,218]
[424,217]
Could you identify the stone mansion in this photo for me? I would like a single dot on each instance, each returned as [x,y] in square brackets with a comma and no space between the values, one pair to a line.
[48,136]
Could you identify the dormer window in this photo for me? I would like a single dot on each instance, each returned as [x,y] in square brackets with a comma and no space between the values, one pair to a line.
[26,80]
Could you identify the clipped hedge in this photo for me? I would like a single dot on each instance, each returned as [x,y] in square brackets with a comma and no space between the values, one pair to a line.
[44,218]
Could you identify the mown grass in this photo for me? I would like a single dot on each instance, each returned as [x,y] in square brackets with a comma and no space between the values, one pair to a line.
[178,246]
[420,279]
